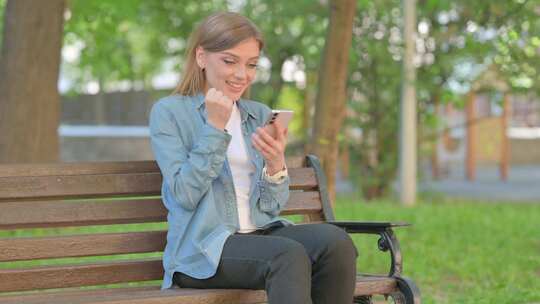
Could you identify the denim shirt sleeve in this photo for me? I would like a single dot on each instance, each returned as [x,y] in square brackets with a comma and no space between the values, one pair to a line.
[274,196]
[188,172]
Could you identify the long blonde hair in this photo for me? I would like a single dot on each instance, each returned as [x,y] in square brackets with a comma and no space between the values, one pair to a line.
[218,32]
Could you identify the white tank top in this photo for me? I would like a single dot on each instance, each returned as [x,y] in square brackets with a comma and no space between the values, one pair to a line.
[241,168]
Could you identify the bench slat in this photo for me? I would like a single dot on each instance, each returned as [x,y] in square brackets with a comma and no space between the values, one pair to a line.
[80,186]
[142,295]
[308,202]
[84,168]
[78,168]
[34,214]
[18,249]
[80,275]
[152,294]
[31,214]
[108,185]
[303,179]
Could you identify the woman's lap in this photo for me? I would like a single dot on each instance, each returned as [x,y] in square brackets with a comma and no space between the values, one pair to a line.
[314,237]
[246,258]
[244,262]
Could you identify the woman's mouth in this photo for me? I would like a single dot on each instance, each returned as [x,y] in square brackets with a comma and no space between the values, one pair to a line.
[235,86]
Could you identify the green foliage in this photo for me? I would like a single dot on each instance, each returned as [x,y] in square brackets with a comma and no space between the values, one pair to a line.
[103,28]
[479,32]
[132,40]
[457,251]
[452,36]
[374,88]
[129,40]
[2,9]
[290,28]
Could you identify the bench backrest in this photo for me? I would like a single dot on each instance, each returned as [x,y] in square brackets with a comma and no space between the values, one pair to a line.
[54,196]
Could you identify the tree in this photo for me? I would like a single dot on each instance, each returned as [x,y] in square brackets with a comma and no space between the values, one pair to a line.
[332,94]
[129,41]
[290,29]
[2,9]
[452,35]
[407,155]
[29,67]
[373,90]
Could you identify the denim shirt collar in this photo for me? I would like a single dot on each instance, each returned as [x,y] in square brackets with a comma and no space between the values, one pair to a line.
[242,106]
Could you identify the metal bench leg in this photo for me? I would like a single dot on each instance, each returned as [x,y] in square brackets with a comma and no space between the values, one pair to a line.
[408,292]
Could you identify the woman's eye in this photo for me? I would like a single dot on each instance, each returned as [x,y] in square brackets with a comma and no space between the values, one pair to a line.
[253,66]
[228,61]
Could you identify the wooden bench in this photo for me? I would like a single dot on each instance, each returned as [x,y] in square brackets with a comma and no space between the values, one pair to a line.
[89,194]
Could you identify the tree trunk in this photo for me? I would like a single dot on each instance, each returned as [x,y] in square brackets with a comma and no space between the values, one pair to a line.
[505,141]
[408,121]
[308,107]
[435,163]
[276,81]
[29,68]
[471,137]
[331,96]
[344,156]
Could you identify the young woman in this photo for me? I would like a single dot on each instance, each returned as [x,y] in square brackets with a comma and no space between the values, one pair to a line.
[225,182]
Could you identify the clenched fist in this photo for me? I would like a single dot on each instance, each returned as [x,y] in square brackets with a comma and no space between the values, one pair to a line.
[219,108]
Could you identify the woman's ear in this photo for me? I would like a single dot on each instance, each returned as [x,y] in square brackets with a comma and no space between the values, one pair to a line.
[199,57]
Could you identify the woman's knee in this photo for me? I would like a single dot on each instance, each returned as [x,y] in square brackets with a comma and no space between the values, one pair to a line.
[292,256]
[338,241]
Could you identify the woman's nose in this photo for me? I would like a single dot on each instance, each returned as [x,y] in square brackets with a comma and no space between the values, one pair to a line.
[240,73]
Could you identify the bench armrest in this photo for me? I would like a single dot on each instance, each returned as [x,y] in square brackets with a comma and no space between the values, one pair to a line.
[387,241]
[367,227]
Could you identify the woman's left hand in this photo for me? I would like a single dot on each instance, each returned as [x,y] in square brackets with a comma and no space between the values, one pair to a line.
[272,149]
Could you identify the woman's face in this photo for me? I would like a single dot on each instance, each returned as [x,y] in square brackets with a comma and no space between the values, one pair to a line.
[230,71]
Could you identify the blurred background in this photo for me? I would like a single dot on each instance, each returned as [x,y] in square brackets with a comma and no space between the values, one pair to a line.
[476,234]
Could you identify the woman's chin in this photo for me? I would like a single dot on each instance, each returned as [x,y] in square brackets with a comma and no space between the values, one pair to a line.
[234,95]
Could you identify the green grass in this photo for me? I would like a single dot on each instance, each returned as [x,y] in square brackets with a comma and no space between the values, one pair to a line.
[458,251]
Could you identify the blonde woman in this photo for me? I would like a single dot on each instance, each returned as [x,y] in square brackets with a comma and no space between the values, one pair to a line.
[225,182]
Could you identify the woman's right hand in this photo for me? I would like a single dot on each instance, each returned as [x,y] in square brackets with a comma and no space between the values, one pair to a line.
[218,107]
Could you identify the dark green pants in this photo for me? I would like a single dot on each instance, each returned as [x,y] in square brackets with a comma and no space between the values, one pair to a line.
[312,263]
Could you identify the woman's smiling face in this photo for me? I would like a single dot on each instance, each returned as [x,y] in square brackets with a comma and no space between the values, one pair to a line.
[230,71]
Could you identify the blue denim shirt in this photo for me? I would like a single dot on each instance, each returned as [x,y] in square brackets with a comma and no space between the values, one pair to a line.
[198,187]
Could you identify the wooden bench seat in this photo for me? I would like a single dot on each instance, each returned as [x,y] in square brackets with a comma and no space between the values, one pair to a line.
[152,294]
[82,196]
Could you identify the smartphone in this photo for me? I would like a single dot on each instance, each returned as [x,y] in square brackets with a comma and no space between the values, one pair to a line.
[280,117]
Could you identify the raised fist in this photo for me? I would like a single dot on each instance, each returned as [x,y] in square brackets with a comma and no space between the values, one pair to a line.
[219,108]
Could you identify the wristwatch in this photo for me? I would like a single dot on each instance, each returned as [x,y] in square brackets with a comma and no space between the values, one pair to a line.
[278,177]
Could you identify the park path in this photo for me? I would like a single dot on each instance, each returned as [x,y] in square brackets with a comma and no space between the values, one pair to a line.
[523,184]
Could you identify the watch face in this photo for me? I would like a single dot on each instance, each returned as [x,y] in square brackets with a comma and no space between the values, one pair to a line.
[280,174]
